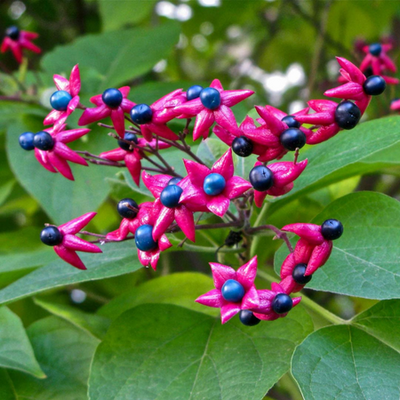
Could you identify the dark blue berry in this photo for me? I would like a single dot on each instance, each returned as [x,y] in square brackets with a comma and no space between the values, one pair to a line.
[43,141]
[261,178]
[12,32]
[141,114]
[127,208]
[144,238]
[26,140]
[193,92]
[129,136]
[298,274]
[59,100]
[332,229]
[174,181]
[374,85]
[214,184]
[375,49]
[347,115]
[51,236]
[112,98]
[282,303]
[292,139]
[170,196]
[232,291]
[242,146]
[210,98]
[290,121]
[248,318]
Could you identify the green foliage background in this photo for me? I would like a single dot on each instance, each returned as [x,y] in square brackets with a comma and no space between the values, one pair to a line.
[138,334]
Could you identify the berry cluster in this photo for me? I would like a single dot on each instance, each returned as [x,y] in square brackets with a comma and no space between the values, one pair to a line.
[202,190]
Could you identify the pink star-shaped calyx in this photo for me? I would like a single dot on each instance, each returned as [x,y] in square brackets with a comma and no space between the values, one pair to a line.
[71,86]
[132,157]
[71,244]
[162,111]
[165,216]
[22,40]
[245,276]
[265,311]
[195,187]
[353,89]
[284,174]
[56,158]
[219,111]
[377,62]
[102,111]
[312,248]
[129,225]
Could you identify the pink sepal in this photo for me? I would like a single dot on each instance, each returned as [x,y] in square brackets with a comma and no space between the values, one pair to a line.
[310,232]
[213,298]
[228,311]
[69,256]
[319,257]
[77,244]
[247,273]
[75,225]
[221,273]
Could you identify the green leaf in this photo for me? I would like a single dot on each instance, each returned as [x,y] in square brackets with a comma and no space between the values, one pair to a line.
[5,190]
[180,289]
[210,150]
[15,350]
[65,353]
[7,390]
[117,259]
[364,261]
[60,198]
[345,155]
[346,362]
[91,323]
[117,13]
[119,56]
[167,352]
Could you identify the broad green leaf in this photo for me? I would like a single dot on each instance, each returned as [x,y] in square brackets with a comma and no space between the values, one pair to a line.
[91,323]
[7,390]
[345,155]
[159,351]
[364,261]
[65,353]
[119,56]
[5,190]
[60,198]
[180,289]
[117,13]
[210,150]
[116,259]
[352,362]
[15,350]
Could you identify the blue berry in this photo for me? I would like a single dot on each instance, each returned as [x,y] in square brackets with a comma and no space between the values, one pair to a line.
[242,146]
[174,181]
[347,115]
[331,229]
[59,100]
[210,98]
[248,318]
[214,184]
[232,291]
[112,98]
[261,178]
[43,141]
[131,137]
[170,196]
[374,85]
[375,49]
[193,92]
[126,208]
[290,121]
[51,236]
[292,139]
[298,274]
[282,303]
[12,32]
[144,238]
[141,114]
[26,140]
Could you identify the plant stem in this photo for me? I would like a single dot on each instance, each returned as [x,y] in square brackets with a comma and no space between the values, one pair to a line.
[307,302]
[260,218]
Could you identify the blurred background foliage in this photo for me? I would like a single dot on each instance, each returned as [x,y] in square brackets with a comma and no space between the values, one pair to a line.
[283,49]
